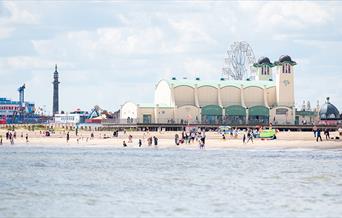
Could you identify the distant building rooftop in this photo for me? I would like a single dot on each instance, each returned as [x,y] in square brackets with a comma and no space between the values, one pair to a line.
[221,83]
[328,111]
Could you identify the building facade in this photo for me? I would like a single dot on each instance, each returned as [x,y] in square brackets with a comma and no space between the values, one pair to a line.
[73,118]
[267,99]
[12,111]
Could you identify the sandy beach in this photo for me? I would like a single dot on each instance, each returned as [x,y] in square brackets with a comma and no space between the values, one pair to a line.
[285,140]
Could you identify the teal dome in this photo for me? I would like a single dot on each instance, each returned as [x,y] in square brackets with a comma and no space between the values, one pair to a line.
[328,111]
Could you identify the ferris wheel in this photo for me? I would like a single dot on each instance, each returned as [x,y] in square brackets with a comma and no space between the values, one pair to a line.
[238,65]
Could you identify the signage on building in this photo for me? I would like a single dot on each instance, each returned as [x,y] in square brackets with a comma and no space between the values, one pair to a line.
[281,111]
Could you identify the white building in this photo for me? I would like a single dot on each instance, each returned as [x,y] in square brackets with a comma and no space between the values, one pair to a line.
[268,99]
[71,118]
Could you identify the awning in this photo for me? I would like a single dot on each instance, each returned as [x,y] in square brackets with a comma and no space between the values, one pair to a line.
[212,110]
[235,110]
[259,111]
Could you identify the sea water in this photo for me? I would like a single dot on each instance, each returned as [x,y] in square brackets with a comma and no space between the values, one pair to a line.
[104,182]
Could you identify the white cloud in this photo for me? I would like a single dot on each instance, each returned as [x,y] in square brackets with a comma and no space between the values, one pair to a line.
[17,16]
[201,68]
[106,41]
[24,63]
[291,15]
[5,32]
[190,31]
[127,49]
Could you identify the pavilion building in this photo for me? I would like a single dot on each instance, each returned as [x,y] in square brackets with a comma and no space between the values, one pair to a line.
[267,99]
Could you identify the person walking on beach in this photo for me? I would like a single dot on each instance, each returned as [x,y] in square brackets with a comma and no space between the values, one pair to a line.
[203,136]
[0,139]
[67,137]
[244,138]
[139,143]
[201,142]
[327,134]
[192,137]
[249,136]
[186,138]
[318,135]
[155,140]
[177,139]
[26,137]
[314,129]
[124,144]
[149,141]
[11,139]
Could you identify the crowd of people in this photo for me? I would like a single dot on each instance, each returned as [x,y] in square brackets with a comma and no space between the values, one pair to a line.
[150,140]
[11,136]
[318,133]
[187,136]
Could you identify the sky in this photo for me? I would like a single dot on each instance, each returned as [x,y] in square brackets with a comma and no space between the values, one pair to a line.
[110,52]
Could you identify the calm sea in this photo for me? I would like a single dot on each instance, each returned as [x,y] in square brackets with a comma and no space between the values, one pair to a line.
[103,182]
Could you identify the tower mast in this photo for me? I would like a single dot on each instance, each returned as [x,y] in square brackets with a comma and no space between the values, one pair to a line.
[55,107]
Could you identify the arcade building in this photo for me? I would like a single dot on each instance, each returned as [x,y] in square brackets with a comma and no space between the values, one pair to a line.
[269,98]
[11,111]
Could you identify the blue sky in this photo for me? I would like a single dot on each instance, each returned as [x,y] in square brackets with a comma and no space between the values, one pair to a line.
[112,52]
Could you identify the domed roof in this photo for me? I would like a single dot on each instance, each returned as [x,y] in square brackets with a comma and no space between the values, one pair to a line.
[285,59]
[328,111]
[264,60]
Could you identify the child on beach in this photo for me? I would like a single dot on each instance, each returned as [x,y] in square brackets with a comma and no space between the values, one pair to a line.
[26,137]
[124,144]
[140,143]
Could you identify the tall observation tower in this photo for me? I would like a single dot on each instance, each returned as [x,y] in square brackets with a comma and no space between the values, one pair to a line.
[55,107]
